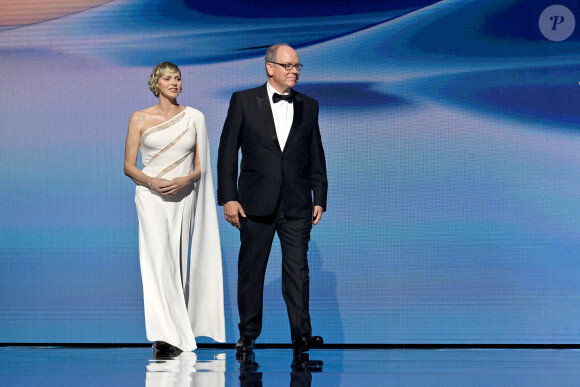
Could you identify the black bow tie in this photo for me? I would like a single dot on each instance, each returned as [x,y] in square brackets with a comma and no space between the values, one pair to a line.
[286,97]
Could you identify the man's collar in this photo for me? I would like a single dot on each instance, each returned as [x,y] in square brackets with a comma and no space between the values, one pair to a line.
[271,90]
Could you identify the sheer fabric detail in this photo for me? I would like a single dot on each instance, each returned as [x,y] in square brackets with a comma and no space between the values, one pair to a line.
[162,126]
[169,146]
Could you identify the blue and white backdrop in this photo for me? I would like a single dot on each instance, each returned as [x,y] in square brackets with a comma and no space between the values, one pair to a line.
[453,148]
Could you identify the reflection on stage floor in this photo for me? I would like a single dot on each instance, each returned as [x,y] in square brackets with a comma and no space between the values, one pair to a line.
[209,367]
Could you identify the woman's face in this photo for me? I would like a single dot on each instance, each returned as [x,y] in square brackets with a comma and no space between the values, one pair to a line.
[169,85]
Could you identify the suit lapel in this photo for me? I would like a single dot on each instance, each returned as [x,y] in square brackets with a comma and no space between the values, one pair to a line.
[296,120]
[266,112]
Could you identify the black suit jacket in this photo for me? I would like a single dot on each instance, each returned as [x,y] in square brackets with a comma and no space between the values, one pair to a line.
[296,174]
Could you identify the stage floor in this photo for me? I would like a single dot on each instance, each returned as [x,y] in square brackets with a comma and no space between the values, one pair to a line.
[209,367]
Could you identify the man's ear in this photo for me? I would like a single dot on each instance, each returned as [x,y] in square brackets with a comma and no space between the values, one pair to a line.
[270,69]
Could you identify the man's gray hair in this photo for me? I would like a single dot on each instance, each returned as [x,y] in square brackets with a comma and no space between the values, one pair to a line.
[273,50]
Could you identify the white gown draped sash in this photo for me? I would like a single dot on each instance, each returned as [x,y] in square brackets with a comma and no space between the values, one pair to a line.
[182,300]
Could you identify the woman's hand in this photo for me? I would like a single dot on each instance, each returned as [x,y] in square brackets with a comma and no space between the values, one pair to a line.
[170,187]
[174,186]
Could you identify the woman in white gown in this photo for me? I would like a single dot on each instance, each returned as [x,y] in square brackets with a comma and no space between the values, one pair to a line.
[175,204]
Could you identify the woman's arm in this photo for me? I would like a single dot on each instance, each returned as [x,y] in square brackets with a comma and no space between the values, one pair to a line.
[132,144]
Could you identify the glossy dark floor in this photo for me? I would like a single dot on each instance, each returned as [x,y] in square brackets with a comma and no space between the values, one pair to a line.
[66,366]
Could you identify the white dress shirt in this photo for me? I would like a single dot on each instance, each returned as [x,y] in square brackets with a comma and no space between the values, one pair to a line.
[283,113]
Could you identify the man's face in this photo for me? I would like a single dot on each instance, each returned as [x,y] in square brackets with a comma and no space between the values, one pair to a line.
[281,79]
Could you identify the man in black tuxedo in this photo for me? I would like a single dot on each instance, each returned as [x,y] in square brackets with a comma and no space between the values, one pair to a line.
[282,169]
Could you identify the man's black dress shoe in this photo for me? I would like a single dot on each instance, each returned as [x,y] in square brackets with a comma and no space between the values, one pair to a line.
[245,344]
[302,363]
[305,343]
[247,362]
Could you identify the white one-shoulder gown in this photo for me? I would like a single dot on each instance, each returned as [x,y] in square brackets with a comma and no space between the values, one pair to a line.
[182,299]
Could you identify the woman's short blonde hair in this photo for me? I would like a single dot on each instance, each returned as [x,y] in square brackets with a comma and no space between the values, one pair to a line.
[158,71]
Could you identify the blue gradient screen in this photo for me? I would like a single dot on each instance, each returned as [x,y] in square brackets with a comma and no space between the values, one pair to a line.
[451,137]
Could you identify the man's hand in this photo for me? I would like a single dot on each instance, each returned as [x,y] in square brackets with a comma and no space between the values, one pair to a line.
[231,211]
[317,214]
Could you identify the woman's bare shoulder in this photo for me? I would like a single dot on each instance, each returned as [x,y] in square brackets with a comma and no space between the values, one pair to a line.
[142,115]
[142,119]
